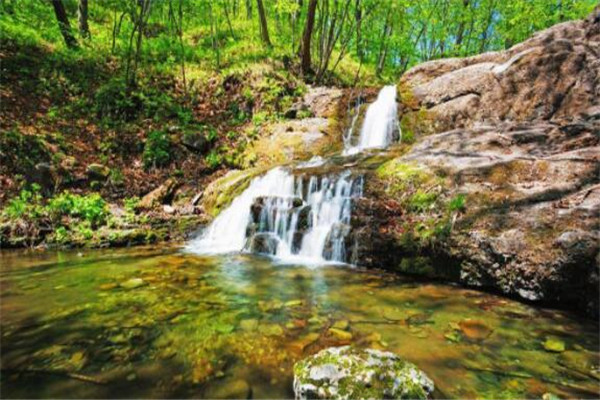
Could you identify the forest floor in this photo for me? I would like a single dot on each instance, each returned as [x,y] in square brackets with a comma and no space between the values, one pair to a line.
[81,150]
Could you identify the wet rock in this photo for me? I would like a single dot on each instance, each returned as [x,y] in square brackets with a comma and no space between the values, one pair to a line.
[270,329]
[133,283]
[293,303]
[341,324]
[229,389]
[344,372]
[98,171]
[265,243]
[161,195]
[299,345]
[108,286]
[249,325]
[554,345]
[340,334]
[474,329]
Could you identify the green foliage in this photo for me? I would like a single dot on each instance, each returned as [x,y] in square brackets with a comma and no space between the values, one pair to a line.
[214,159]
[131,204]
[422,201]
[31,207]
[91,208]
[457,203]
[157,149]
[20,152]
[25,205]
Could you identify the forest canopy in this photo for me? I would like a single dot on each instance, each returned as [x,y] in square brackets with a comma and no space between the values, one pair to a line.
[349,41]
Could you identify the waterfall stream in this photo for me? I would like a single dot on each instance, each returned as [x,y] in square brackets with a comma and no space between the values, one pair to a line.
[296,216]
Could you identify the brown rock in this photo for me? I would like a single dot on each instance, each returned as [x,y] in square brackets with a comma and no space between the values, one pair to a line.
[161,195]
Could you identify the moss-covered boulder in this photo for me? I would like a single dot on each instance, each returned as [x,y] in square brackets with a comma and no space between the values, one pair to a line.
[346,372]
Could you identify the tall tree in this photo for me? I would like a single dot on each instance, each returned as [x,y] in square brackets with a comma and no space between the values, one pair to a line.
[248,9]
[306,38]
[63,23]
[264,31]
[82,19]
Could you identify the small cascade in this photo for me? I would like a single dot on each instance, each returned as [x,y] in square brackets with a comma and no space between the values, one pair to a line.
[380,126]
[294,218]
[298,216]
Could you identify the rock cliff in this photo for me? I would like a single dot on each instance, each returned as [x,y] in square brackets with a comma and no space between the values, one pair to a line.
[501,188]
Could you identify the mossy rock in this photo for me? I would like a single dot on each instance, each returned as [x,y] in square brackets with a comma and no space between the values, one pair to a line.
[346,372]
[220,193]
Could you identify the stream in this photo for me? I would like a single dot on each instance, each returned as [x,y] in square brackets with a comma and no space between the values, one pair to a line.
[269,282]
[161,322]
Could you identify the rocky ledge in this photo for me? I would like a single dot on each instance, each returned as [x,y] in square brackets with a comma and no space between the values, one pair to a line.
[501,188]
[345,372]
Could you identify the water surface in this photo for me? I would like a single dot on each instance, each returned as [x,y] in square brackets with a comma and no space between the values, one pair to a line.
[199,326]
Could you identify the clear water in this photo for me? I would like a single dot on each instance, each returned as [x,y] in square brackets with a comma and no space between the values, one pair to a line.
[201,326]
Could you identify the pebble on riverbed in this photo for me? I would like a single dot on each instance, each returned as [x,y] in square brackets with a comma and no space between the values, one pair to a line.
[345,372]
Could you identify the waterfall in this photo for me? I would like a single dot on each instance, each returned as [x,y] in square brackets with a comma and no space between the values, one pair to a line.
[380,126]
[294,218]
[298,217]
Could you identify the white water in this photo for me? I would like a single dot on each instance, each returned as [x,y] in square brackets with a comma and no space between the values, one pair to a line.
[298,218]
[323,202]
[380,125]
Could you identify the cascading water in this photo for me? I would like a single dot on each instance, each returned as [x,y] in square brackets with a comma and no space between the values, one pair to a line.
[380,126]
[293,218]
[297,217]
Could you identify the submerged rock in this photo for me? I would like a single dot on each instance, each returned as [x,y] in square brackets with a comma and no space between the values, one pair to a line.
[474,329]
[554,345]
[345,372]
[133,283]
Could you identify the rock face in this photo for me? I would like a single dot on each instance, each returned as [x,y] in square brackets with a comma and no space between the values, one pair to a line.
[344,372]
[507,190]
[553,75]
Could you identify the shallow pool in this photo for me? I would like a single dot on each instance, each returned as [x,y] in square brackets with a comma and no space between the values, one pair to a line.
[159,322]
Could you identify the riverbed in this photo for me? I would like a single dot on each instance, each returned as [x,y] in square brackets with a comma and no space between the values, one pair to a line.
[164,323]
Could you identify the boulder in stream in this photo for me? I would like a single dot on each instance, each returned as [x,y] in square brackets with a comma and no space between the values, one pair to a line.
[346,372]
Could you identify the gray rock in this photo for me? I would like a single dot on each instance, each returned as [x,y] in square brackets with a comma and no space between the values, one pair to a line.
[196,142]
[98,171]
[345,372]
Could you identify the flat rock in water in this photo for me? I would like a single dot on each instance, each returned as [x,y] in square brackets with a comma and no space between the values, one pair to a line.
[474,329]
[345,372]
[340,334]
[133,283]
[554,345]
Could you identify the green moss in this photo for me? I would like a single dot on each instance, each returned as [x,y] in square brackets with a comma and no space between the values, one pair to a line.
[400,176]
[221,192]
[422,201]
[417,123]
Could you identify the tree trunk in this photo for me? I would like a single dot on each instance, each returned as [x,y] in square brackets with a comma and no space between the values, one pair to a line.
[63,23]
[248,9]
[82,19]
[264,32]
[306,37]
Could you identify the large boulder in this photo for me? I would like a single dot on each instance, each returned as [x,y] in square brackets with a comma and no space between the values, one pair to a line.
[553,75]
[502,188]
[346,372]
